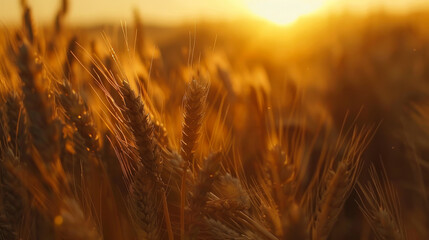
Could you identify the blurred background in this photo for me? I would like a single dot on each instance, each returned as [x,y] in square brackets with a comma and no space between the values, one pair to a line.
[168,12]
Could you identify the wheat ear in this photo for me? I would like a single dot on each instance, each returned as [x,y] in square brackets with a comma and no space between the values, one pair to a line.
[79,115]
[43,128]
[194,105]
[379,203]
[337,185]
[148,186]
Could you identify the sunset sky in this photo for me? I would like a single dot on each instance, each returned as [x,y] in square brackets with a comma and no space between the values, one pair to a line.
[178,11]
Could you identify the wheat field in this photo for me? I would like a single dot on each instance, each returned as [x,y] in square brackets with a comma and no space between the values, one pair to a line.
[135,132]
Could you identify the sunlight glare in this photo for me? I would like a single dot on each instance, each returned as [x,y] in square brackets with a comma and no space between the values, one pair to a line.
[283,12]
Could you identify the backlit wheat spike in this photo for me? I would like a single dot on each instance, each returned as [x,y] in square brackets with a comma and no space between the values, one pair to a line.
[44,130]
[379,203]
[141,128]
[147,188]
[194,104]
[78,113]
[337,185]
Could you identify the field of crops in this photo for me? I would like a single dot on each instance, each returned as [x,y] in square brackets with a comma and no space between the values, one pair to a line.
[218,130]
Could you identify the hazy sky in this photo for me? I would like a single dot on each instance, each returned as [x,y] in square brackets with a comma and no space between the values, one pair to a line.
[168,11]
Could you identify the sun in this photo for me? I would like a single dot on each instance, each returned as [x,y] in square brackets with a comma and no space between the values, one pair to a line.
[283,12]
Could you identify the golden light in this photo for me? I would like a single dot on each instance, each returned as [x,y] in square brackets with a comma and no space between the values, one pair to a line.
[283,12]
